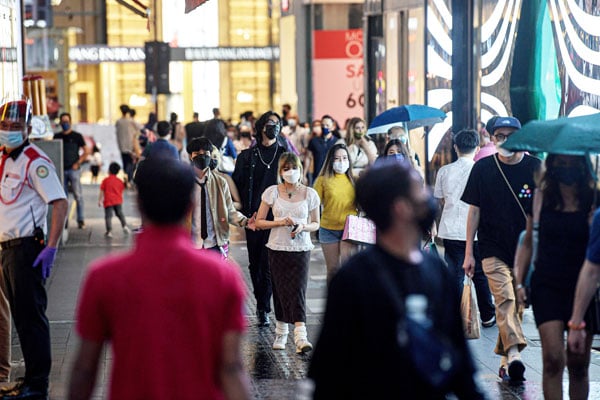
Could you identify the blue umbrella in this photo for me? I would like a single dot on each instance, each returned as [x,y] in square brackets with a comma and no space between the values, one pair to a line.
[410,116]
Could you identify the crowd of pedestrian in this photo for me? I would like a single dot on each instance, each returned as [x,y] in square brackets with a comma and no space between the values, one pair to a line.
[289,185]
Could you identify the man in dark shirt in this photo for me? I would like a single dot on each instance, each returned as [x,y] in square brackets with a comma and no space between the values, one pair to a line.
[74,154]
[255,170]
[499,192]
[162,147]
[361,352]
[320,145]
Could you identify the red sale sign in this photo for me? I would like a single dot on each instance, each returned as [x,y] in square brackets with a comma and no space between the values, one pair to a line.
[338,73]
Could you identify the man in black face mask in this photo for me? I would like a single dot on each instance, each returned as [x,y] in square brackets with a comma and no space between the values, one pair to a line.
[211,230]
[255,170]
[378,288]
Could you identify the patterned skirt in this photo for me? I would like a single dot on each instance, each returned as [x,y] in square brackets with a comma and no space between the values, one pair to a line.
[289,277]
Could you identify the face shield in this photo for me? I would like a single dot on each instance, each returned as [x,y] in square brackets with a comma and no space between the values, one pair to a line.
[15,118]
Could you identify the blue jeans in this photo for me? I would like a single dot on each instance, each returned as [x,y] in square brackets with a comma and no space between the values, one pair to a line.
[454,253]
[74,178]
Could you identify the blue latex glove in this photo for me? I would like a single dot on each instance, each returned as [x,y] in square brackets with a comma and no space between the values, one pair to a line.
[46,258]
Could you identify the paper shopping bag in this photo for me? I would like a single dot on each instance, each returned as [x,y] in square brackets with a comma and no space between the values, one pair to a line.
[470,310]
[359,230]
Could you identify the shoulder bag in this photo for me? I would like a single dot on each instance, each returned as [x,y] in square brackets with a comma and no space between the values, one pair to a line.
[433,355]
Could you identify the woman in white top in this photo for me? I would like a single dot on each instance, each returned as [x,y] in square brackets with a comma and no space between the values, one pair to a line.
[295,214]
[362,149]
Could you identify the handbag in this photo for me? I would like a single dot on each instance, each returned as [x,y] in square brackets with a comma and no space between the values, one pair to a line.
[470,310]
[359,230]
[432,354]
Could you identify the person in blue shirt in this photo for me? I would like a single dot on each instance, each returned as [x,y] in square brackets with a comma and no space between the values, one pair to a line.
[162,147]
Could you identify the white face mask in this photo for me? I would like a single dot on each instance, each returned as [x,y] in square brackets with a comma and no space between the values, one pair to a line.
[11,139]
[291,176]
[340,167]
[503,152]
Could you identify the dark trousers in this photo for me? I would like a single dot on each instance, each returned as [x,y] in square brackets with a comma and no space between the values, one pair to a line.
[108,214]
[454,253]
[27,297]
[259,268]
[128,166]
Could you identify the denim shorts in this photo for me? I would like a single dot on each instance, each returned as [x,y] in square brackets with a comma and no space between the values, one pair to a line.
[327,236]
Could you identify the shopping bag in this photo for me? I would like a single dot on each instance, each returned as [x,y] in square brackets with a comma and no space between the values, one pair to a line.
[470,310]
[359,230]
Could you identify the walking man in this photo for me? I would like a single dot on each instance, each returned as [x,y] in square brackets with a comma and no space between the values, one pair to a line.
[364,335]
[499,192]
[127,140]
[255,170]
[28,183]
[75,153]
[161,299]
[213,210]
[449,186]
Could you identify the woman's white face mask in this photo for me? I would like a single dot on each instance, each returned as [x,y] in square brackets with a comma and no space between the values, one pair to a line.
[291,176]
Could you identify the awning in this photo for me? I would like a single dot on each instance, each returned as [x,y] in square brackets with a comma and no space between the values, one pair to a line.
[191,5]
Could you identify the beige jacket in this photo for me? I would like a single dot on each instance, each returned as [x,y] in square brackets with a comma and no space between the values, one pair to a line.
[222,209]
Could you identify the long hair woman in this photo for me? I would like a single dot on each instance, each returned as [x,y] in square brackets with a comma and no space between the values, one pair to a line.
[561,210]
[295,214]
[361,148]
[335,187]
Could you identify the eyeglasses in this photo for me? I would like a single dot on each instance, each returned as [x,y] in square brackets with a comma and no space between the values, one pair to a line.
[501,138]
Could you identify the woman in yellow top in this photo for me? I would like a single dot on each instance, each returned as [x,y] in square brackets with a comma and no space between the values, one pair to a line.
[335,188]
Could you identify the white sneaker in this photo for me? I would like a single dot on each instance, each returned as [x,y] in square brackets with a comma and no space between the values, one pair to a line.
[280,341]
[303,346]
[126,230]
[108,234]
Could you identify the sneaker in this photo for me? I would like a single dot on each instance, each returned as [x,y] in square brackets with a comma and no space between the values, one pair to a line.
[280,342]
[126,230]
[80,224]
[303,346]
[503,373]
[108,235]
[516,371]
[489,323]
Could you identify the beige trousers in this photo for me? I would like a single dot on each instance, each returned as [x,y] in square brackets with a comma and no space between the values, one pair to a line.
[508,316]
[4,333]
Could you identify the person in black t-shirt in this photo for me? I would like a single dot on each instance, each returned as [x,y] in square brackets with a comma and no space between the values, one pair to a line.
[74,154]
[497,214]
[361,352]
[255,170]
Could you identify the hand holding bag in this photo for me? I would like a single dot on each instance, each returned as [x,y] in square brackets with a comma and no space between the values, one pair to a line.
[470,310]
[359,230]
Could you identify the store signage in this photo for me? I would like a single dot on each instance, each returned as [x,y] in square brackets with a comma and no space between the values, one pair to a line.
[225,54]
[8,54]
[98,54]
[338,74]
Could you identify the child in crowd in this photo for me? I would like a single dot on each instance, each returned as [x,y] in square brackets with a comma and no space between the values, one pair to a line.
[111,198]
[95,162]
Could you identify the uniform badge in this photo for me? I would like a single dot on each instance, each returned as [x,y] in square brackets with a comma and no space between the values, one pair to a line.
[42,171]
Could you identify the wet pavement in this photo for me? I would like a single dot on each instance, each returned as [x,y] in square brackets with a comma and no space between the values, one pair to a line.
[275,374]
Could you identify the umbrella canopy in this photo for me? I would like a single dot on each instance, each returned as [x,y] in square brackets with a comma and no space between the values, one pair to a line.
[569,136]
[411,116]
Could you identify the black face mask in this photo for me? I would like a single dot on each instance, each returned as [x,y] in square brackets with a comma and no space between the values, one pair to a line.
[201,161]
[426,213]
[213,164]
[569,175]
[271,131]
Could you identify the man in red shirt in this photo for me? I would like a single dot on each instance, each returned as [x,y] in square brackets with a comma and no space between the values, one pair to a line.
[173,314]
[111,198]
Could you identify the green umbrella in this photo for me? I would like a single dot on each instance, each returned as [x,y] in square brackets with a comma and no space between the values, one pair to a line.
[569,136]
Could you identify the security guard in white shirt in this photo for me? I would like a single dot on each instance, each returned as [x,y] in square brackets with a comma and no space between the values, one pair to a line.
[28,183]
